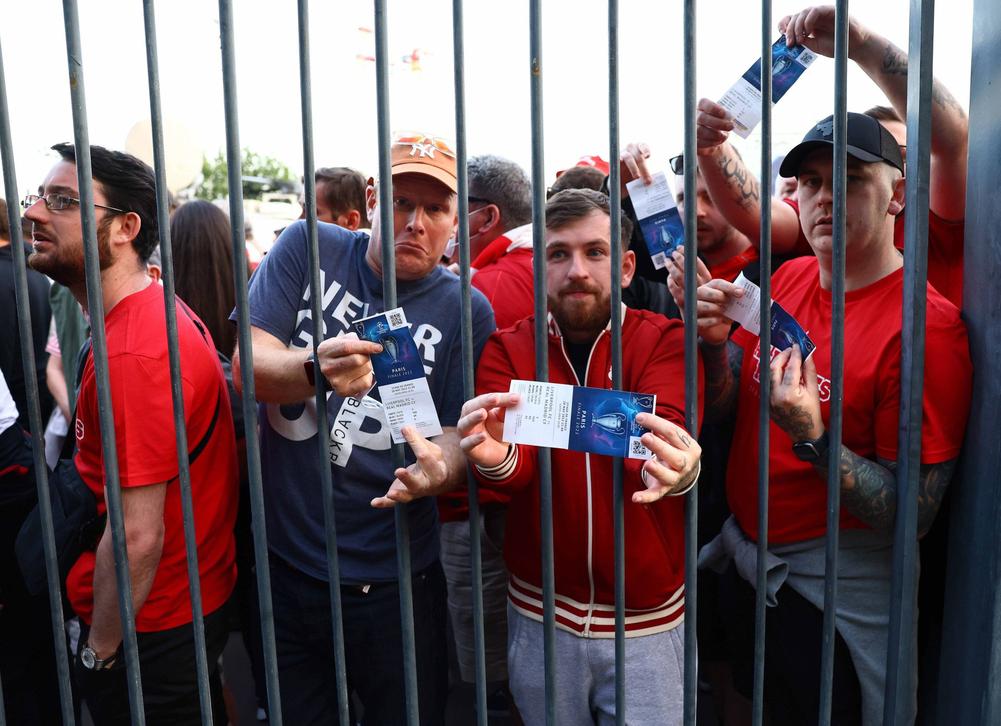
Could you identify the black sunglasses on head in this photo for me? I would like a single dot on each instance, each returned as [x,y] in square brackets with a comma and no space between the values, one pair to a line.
[677,164]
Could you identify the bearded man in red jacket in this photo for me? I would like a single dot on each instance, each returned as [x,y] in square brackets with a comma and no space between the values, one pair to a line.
[578,280]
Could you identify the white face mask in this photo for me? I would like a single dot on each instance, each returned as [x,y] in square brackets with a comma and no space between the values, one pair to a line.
[451,246]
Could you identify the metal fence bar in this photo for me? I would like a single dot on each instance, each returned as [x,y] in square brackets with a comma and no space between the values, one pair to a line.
[542,355]
[316,313]
[174,355]
[615,238]
[34,410]
[903,594]
[837,359]
[99,353]
[691,371]
[468,372]
[765,348]
[969,666]
[234,178]
[403,562]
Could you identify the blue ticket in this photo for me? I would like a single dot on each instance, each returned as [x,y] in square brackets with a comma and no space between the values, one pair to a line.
[399,374]
[743,99]
[786,332]
[594,420]
[658,216]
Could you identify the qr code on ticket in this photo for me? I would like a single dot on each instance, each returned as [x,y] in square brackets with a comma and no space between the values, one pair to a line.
[395,320]
[637,450]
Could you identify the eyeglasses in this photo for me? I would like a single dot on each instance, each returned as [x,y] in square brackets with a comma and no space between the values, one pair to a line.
[677,164]
[56,202]
[424,144]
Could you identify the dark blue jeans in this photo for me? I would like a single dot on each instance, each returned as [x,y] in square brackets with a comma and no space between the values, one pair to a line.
[373,646]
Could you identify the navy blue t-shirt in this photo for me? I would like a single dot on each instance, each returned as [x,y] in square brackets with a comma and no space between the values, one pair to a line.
[360,455]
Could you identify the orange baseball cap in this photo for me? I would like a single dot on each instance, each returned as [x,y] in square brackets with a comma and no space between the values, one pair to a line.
[417,153]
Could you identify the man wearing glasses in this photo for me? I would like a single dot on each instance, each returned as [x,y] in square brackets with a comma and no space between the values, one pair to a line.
[365,484]
[135,327]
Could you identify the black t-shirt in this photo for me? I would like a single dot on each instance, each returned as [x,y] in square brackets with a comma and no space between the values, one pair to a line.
[10,351]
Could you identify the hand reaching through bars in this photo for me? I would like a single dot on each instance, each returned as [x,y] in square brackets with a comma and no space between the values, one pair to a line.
[713,126]
[481,428]
[632,165]
[676,276]
[425,477]
[795,397]
[345,363]
[814,28]
[676,464]
[712,298]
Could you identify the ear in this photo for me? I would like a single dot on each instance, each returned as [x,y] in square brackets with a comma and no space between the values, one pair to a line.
[628,267]
[124,229]
[490,220]
[897,200]
[370,199]
[352,220]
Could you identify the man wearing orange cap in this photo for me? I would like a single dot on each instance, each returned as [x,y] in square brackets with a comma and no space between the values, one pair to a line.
[365,484]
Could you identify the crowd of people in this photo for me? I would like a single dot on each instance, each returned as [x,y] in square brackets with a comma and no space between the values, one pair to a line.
[720,459]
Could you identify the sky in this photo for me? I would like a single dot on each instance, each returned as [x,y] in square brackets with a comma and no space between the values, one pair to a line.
[574,71]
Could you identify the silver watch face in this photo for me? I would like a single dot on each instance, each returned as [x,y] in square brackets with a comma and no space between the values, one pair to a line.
[88,658]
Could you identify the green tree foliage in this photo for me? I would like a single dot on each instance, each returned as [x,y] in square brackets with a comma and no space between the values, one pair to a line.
[260,174]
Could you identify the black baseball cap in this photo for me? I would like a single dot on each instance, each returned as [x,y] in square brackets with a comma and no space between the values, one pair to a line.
[868,141]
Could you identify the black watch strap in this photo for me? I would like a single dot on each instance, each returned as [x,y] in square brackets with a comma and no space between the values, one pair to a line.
[813,450]
[309,366]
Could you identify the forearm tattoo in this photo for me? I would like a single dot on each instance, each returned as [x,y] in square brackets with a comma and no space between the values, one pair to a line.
[869,489]
[723,364]
[795,421]
[743,186]
[895,64]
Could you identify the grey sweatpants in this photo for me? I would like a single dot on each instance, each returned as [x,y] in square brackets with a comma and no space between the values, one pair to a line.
[585,676]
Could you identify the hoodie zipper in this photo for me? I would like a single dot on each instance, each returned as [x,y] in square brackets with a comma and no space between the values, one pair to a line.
[587,468]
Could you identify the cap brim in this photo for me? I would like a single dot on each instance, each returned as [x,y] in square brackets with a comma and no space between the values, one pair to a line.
[434,172]
[790,165]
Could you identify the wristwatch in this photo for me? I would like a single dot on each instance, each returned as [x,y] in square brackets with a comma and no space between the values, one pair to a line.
[812,450]
[90,661]
[310,369]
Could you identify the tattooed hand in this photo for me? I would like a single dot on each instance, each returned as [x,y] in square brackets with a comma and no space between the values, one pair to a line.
[795,401]
[676,459]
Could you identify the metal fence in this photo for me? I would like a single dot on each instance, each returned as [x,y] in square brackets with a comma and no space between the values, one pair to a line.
[899,684]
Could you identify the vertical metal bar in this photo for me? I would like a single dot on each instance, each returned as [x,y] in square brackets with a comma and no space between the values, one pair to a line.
[468,374]
[542,355]
[837,359]
[897,706]
[34,410]
[691,372]
[247,361]
[400,511]
[322,424]
[615,237]
[177,392]
[95,307]
[765,344]
[970,663]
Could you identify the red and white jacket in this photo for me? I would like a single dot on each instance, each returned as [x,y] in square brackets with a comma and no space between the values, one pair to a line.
[653,362]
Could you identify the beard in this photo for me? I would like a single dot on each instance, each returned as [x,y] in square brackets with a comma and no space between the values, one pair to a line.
[582,318]
[65,262]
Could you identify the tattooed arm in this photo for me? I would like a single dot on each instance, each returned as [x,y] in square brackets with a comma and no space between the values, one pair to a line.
[734,190]
[869,489]
[886,65]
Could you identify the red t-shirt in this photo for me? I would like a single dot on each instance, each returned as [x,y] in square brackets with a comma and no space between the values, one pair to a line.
[144,434]
[729,269]
[798,494]
[945,251]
